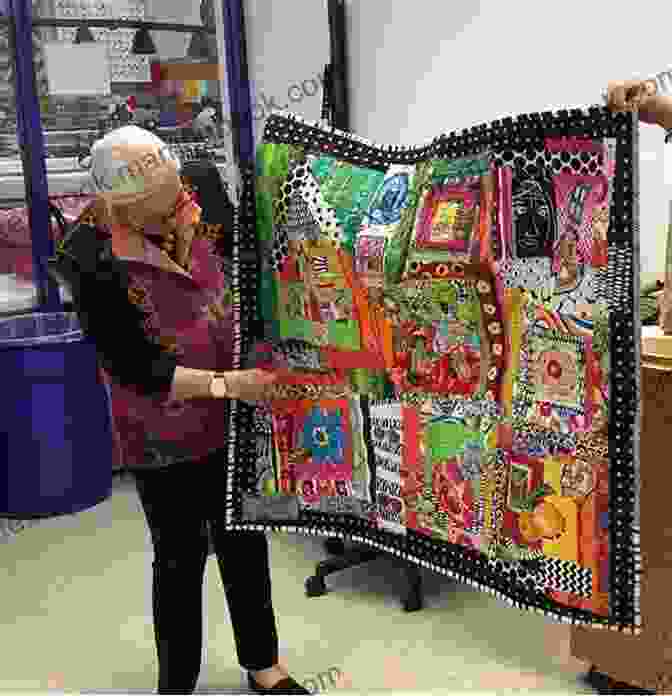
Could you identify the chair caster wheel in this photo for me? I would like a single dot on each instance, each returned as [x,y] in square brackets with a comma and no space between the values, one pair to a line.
[413,603]
[604,684]
[334,547]
[315,586]
[597,681]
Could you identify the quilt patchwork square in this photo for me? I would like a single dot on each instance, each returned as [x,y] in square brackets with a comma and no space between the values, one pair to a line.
[317,449]
[554,370]
[443,335]
[447,219]
[315,303]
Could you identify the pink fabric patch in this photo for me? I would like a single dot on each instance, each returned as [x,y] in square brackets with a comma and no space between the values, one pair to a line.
[504,214]
[576,197]
[573,145]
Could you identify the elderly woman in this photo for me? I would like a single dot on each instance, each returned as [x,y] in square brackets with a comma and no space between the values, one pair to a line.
[150,289]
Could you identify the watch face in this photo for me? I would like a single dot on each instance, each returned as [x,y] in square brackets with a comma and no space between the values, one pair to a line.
[218,388]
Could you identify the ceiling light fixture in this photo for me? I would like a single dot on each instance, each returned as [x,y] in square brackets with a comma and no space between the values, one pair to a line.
[84,35]
[143,44]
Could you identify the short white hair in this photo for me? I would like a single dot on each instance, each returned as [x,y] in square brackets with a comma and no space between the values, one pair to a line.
[109,171]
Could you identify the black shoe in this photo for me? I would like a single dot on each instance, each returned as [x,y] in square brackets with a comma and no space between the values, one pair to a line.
[284,686]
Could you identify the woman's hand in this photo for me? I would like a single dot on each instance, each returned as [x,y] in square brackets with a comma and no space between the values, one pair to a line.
[249,385]
[641,96]
[630,95]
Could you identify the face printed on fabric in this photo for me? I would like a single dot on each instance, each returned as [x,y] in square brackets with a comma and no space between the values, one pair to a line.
[533,218]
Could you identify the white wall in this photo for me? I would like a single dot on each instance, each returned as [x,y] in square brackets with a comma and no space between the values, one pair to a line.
[423,67]
[288,47]
[170,44]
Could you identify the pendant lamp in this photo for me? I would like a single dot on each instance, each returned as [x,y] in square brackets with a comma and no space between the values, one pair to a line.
[143,44]
[203,45]
[83,35]
[199,46]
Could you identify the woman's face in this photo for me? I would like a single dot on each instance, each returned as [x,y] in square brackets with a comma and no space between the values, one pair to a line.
[156,213]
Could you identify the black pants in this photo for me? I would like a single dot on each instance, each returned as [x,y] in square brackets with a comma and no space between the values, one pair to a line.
[180,502]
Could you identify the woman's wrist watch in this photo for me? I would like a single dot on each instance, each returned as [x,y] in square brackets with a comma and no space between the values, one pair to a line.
[219,386]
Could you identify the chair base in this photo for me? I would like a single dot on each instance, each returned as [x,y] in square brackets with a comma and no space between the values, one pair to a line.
[342,559]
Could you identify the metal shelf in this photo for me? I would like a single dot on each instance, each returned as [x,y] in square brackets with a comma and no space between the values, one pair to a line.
[120,24]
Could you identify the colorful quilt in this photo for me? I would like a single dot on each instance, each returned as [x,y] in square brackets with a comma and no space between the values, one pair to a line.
[455,329]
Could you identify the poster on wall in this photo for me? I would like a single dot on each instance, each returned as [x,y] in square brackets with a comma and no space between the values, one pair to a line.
[81,70]
[452,327]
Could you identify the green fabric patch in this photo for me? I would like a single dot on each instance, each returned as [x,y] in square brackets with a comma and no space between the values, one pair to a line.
[445,440]
[344,334]
[301,329]
[414,304]
[272,167]
[371,383]
[476,166]
[396,252]
[470,312]
[444,293]
[348,189]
